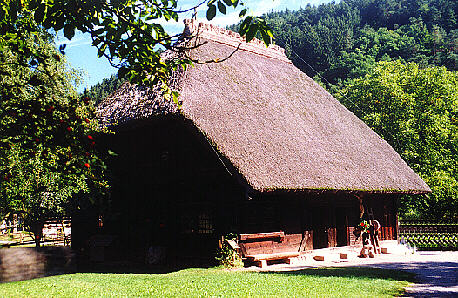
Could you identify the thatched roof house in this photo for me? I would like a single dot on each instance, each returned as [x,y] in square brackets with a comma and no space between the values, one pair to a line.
[279,128]
[257,146]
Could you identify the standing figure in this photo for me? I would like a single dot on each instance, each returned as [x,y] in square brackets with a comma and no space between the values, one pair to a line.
[365,238]
[373,233]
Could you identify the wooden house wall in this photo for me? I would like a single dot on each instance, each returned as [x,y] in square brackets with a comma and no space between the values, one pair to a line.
[171,190]
[312,221]
[385,211]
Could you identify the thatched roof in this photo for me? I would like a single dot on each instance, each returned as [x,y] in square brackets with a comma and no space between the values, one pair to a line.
[280,129]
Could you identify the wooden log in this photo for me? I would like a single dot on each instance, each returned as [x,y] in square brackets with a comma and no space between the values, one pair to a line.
[247,237]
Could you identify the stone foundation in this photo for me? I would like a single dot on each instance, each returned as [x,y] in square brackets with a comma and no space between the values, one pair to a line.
[29,262]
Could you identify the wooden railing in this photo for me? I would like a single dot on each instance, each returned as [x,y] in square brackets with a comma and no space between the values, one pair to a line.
[58,231]
[410,227]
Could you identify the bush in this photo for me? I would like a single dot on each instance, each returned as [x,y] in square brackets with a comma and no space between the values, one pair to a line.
[227,256]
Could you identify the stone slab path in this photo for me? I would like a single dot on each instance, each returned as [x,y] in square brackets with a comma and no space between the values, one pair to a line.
[436,271]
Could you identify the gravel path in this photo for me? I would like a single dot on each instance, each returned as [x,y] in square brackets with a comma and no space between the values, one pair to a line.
[436,271]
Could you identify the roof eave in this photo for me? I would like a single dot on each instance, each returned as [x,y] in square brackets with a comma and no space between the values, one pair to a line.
[335,191]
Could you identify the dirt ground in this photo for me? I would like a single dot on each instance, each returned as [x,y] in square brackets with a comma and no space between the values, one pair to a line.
[436,271]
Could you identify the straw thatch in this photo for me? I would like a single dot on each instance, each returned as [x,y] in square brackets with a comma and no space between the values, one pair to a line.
[280,129]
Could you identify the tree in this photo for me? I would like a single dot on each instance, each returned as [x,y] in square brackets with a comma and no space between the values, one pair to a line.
[339,41]
[48,157]
[47,134]
[128,33]
[102,90]
[415,110]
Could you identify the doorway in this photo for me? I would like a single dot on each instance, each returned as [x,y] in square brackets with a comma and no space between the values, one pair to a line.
[341,227]
[320,227]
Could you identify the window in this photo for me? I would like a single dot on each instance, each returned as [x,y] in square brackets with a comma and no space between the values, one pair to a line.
[196,220]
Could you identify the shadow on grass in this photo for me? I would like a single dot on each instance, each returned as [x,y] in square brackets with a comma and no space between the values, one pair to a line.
[129,267]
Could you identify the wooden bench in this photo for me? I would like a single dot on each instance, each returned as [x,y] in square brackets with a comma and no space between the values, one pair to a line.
[262,247]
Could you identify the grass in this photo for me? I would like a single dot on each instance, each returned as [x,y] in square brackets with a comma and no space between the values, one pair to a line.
[328,282]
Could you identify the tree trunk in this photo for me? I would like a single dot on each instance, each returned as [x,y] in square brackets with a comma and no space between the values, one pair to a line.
[38,232]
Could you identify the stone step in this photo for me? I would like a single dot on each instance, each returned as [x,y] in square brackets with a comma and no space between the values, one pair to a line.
[318,258]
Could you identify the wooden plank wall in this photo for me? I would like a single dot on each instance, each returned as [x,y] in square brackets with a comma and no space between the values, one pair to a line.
[307,242]
[384,207]
[352,238]
[332,239]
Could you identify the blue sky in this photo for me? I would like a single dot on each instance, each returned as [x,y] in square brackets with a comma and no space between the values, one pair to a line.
[82,56]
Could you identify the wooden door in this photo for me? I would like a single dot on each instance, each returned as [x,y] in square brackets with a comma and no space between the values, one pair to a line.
[320,227]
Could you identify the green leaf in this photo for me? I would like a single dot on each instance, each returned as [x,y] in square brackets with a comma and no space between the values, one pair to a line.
[242,13]
[112,153]
[96,41]
[251,32]
[122,72]
[211,12]
[265,37]
[112,49]
[175,96]
[59,22]
[228,2]
[102,50]
[221,7]
[69,31]
[13,11]
[175,16]
[39,13]
[245,25]
[269,32]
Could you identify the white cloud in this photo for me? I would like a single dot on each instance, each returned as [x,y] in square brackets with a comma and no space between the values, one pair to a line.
[77,41]
[223,20]
[263,7]
[255,8]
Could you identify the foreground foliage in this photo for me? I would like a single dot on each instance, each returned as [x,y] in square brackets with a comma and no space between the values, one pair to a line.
[130,34]
[48,161]
[47,133]
[333,282]
[416,111]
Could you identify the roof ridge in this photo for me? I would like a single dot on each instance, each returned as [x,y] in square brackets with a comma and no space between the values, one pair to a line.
[231,38]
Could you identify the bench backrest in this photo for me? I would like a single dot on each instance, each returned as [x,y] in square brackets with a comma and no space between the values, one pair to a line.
[268,243]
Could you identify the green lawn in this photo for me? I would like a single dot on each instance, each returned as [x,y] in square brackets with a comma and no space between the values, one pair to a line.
[331,282]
